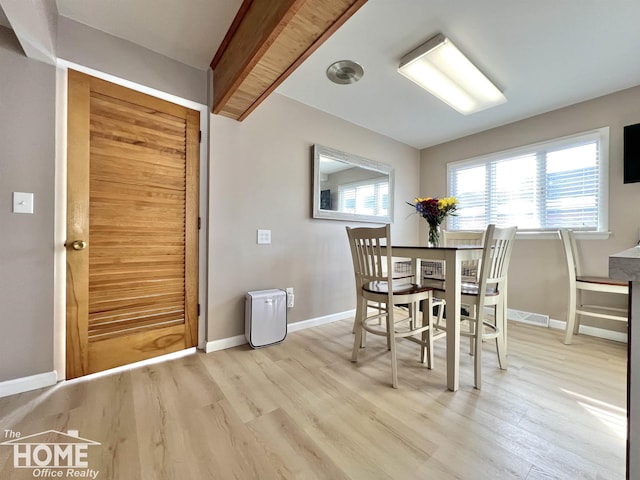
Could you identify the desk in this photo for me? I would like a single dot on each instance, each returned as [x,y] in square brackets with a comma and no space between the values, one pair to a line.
[626,266]
[453,257]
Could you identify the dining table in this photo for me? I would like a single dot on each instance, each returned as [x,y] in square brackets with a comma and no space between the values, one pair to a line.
[453,258]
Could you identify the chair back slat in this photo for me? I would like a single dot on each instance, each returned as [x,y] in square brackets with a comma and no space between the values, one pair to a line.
[570,249]
[366,251]
[494,266]
[470,268]
[452,238]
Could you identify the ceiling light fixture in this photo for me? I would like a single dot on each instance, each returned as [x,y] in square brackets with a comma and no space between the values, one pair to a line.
[440,68]
[345,72]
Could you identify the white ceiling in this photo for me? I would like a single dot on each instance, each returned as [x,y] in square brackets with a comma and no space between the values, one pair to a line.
[543,55]
[189,31]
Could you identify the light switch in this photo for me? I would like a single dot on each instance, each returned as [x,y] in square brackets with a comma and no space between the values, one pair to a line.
[264,237]
[22,202]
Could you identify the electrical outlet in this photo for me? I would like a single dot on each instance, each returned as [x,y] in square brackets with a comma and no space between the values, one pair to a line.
[264,237]
[290,297]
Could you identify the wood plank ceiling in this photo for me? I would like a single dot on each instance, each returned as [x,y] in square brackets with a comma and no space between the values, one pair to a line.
[266,42]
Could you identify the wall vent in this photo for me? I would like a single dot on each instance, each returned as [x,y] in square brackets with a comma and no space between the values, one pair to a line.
[523,317]
[528,317]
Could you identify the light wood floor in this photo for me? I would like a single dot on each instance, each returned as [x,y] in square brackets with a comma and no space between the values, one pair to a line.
[302,410]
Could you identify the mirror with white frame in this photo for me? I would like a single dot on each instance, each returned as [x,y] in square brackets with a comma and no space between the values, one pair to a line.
[352,188]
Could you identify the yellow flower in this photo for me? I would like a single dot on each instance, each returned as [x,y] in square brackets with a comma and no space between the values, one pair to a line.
[447,202]
[434,210]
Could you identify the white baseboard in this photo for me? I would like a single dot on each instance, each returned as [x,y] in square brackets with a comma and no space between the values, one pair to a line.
[314,322]
[238,340]
[593,331]
[544,321]
[25,384]
[225,343]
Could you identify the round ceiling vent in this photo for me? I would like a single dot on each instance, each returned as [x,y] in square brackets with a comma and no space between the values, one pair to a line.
[345,72]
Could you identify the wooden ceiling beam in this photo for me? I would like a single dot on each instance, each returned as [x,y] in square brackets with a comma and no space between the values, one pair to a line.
[266,42]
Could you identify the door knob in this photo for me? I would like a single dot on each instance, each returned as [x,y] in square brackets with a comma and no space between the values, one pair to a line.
[79,245]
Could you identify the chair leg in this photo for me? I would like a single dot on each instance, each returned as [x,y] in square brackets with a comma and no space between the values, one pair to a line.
[380,323]
[571,317]
[392,347]
[363,332]
[477,361]
[438,304]
[505,319]
[358,341]
[424,352]
[411,311]
[501,339]
[576,324]
[355,319]
[472,342]
[426,347]
[363,307]
[429,318]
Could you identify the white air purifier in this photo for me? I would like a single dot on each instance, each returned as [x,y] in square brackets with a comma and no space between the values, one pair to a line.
[265,321]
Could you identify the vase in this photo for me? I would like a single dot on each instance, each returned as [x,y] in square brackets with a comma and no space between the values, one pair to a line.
[434,235]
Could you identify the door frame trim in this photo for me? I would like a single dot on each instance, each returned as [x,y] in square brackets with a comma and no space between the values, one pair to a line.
[60,195]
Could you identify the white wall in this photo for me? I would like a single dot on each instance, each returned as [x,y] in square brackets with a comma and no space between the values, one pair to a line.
[92,48]
[538,276]
[27,159]
[261,178]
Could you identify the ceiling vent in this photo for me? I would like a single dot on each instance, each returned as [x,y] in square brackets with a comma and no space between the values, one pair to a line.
[345,72]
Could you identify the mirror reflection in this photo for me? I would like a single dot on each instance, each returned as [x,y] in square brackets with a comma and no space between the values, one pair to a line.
[348,187]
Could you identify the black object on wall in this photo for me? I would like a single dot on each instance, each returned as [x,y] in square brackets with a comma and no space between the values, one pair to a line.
[325,199]
[632,153]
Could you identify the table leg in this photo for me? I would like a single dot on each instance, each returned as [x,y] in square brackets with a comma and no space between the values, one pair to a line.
[452,297]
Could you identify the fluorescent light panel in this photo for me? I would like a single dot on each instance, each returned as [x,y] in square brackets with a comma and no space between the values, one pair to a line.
[441,69]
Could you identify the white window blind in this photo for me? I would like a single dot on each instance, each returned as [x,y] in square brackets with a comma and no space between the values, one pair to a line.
[365,198]
[560,183]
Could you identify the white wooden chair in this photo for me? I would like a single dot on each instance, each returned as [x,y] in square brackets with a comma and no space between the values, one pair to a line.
[399,273]
[453,238]
[374,276]
[470,268]
[433,271]
[490,290]
[579,283]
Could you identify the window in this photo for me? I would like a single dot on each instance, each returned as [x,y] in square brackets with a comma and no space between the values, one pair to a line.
[365,198]
[560,183]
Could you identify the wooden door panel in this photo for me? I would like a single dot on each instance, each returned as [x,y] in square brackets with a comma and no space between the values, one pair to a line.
[124,349]
[77,269]
[138,156]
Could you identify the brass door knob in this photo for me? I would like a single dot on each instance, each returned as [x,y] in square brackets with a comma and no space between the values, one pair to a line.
[79,245]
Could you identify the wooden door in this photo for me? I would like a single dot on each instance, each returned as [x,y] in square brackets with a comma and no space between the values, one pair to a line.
[132,226]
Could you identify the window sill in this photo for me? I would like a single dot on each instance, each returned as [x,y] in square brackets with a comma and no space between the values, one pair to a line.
[554,235]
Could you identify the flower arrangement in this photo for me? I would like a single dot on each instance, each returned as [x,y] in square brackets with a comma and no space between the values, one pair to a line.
[434,211]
